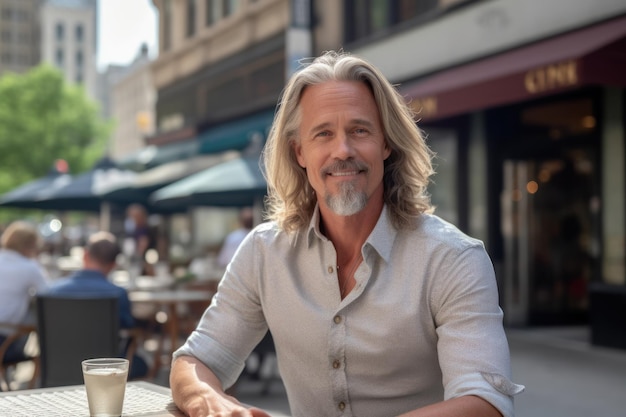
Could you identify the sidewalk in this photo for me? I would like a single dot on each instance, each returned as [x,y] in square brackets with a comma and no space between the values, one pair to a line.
[565,376]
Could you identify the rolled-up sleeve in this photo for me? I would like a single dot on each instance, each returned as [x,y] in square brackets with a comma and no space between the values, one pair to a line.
[472,346]
[234,322]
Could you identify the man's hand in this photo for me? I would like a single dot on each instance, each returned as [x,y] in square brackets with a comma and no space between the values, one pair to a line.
[203,407]
[198,392]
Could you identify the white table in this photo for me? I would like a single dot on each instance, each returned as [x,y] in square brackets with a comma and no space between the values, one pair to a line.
[141,399]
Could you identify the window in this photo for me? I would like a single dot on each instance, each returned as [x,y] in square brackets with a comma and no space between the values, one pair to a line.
[219,9]
[229,7]
[79,33]
[79,59]
[365,18]
[6,13]
[211,15]
[167,24]
[59,58]
[191,17]
[59,32]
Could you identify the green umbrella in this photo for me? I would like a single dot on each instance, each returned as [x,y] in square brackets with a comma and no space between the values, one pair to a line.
[236,183]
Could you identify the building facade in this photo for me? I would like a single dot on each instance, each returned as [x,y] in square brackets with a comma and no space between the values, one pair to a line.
[69,40]
[523,102]
[20,47]
[132,107]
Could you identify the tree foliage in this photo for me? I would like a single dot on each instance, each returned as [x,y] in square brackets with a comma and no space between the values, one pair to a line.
[42,119]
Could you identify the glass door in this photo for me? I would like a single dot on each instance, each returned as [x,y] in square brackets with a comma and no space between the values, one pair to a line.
[550,240]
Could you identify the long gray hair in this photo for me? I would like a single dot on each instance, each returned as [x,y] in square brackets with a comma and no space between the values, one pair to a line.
[291,199]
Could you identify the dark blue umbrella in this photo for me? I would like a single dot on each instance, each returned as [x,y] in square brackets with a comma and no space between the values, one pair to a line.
[26,195]
[83,192]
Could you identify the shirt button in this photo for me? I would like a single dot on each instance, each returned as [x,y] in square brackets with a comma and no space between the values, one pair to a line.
[336,364]
[331,269]
[337,319]
[342,406]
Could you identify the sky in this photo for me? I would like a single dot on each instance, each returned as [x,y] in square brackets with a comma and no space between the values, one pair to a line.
[123,26]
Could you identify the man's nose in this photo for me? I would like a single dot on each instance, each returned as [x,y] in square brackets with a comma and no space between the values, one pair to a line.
[343,146]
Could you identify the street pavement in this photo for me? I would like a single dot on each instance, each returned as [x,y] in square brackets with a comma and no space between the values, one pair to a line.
[565,376]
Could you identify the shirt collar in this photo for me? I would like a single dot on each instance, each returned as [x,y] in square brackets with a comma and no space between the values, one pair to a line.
[90,274]
[381,239]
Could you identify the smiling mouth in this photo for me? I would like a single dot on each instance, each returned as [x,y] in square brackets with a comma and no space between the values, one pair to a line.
[344,173]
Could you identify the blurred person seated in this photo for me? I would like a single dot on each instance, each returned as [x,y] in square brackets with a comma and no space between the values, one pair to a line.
[99,259]
[234,238]
[21,277]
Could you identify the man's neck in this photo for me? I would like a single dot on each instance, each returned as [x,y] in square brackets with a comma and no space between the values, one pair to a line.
[349,233]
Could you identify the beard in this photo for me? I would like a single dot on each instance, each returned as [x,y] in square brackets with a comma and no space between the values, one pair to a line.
[349,201]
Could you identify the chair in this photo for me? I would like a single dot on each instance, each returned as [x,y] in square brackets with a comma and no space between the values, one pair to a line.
[72,329]
[195,309]
[18,331]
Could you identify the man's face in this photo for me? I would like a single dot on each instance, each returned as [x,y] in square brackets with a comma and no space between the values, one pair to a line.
[342,145]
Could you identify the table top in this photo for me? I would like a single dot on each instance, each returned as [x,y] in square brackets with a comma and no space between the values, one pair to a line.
[141,399]
[143,282]
[173,296]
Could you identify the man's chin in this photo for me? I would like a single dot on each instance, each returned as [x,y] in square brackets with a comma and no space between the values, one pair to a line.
[346,207]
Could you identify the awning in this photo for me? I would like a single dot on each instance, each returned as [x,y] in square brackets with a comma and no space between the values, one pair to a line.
[236,183]
[593,55]
[152,155]
[139,187]
[238,134]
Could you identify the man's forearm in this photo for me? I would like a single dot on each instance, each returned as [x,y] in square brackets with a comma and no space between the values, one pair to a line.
[190,379]
[467,406]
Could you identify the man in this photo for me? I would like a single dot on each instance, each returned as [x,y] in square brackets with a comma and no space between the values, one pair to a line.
[140,237]
[99,259]
[20,277]
[376,307]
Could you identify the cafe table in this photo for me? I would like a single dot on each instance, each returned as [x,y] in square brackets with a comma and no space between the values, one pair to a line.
[141,399]
[170,300]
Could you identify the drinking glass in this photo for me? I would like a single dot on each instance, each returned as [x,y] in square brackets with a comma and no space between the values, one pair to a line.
[105,382]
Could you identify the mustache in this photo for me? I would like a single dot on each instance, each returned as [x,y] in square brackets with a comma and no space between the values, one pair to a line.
[348,165]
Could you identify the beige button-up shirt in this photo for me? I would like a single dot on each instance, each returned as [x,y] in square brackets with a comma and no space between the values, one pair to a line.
[421,325]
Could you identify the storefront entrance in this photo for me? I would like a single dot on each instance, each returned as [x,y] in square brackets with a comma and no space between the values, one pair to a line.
[549,208]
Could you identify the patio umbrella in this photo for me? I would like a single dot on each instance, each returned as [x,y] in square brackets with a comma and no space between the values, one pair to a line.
[83,192]
[236,183]
[138,188]
[26,195]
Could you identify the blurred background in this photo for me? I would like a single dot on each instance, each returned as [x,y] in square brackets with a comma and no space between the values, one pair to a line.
[167,103]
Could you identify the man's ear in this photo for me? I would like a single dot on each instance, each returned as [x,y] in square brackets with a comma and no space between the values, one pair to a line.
[297,150]
[386,151]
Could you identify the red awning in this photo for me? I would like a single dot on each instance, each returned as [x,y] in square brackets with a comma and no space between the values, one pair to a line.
[593,55]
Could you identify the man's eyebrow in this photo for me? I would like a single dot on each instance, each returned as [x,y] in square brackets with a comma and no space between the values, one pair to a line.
[362,122]
[353,122]
[319,127]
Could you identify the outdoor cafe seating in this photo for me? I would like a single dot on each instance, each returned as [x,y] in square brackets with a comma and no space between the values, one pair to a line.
[71,329]
[8,364]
